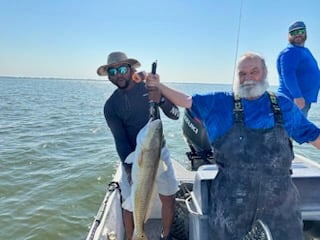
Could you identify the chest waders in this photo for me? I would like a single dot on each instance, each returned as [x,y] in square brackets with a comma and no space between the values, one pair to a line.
[254,181]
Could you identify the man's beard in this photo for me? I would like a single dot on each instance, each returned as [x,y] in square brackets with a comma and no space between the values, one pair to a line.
[251,89]
[298,40]
[124,86]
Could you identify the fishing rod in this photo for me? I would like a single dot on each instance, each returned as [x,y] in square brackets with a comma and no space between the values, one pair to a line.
[153,106]
[237,40]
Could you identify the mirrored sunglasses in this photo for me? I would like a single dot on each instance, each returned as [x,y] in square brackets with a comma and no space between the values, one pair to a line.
[121,70]
[297,32]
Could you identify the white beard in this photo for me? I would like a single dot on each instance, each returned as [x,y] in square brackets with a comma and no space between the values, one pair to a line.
[251,88]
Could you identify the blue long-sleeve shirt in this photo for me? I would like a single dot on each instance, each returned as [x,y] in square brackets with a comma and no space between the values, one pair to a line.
[299,74]
[215,111]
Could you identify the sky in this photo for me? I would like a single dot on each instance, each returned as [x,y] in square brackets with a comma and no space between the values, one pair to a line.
[196,41]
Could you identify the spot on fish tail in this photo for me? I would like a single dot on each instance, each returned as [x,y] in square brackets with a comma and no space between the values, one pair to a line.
[140,237]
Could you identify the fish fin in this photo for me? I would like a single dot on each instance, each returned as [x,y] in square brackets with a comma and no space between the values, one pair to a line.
[130,158]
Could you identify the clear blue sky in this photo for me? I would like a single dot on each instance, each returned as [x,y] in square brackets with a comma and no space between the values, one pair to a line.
[193,41]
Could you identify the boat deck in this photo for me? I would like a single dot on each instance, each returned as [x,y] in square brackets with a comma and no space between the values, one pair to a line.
[301,166]
[306,176]
[153,229]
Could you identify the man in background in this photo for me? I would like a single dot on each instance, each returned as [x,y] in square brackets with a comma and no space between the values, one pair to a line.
[299,75]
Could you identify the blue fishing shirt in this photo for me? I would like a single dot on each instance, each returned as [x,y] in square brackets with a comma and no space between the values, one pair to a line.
[299,74]
[215,110]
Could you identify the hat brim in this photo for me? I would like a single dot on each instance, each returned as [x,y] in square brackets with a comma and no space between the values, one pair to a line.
[296,28]
[102,70]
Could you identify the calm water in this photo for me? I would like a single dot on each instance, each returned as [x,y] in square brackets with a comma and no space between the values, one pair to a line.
[57,154]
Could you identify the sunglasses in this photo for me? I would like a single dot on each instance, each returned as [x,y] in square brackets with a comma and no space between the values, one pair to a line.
[121,70]
[297,32]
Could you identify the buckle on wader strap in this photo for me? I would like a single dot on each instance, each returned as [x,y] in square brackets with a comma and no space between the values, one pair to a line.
[275,108]
[237,109]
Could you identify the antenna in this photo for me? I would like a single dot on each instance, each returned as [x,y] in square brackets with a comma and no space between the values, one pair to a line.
[237,41]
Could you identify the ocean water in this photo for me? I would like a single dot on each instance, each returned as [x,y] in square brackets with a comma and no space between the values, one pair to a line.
[57,154]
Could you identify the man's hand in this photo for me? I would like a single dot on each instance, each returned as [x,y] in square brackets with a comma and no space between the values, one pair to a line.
[153,80]
[154,94]
[300,102]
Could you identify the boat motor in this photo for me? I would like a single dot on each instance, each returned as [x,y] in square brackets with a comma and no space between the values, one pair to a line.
[196,136]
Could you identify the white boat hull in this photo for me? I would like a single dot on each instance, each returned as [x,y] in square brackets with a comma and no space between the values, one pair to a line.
[306,175]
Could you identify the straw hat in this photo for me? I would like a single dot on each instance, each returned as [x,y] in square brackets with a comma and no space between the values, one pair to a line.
[117,58]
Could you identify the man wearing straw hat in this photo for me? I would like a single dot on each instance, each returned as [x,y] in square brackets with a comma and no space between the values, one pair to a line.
[127,112]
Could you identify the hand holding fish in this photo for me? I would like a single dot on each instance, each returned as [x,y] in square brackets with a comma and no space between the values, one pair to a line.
[154,94]
[153,80]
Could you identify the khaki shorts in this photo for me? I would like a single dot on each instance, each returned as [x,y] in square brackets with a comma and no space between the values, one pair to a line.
[166,181]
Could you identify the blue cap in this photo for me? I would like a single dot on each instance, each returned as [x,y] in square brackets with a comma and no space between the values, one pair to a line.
[296,26]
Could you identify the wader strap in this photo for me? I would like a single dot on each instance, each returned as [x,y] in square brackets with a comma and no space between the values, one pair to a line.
[237,109]
[275,108]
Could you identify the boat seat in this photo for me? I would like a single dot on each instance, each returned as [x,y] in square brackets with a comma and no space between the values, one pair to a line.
[198,203]
[201,187]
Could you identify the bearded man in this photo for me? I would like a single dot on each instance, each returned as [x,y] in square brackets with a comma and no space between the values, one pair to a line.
[127,112]
[299,73]
[250,133]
